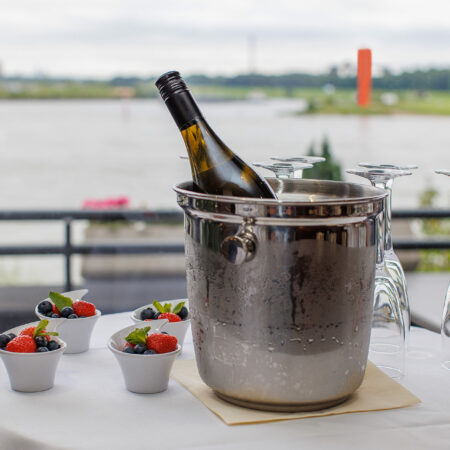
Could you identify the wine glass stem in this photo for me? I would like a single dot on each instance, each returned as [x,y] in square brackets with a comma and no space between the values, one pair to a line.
[386,186]
[380,241]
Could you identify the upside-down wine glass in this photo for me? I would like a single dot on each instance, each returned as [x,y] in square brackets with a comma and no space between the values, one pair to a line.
[298,159]
[388,337]
[284,170]
[384,180]
[445,324]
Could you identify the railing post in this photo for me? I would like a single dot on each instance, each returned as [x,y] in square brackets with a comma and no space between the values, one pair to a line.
[68,253]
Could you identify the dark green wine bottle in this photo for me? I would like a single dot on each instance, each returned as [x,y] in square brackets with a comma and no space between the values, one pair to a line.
[215,168]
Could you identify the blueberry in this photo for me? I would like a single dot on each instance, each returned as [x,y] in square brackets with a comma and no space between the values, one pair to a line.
[157,314]
[11,335]
[128,350]
[140,348]
[41,341]
[183,313]
[150,352]
[4,339]
[42,349]
[45,307]
[67,311]
[72,316]
[54,316]
[53,345]
[147,313]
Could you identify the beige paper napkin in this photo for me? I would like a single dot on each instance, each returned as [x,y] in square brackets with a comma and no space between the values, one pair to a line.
[377,392]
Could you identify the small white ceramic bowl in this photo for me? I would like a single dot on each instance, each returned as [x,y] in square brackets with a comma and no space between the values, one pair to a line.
[32,372]
[177,329]
[76,333]
[143,374]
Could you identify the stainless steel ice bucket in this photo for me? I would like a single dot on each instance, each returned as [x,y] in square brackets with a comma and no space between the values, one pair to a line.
[281,292]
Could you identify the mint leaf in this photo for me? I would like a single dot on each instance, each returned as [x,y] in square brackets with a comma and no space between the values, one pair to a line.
[40,327]
[60,300]
[158,306]
[167,307]
[178,307]
[49,333]
[138,336]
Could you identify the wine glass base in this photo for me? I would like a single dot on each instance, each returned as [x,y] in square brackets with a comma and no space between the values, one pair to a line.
[393,372]
[419,354]
[390,358]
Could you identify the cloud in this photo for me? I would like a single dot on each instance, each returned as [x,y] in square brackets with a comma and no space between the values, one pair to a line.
[101,38]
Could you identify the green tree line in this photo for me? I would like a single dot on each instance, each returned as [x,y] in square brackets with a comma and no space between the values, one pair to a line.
[432,79]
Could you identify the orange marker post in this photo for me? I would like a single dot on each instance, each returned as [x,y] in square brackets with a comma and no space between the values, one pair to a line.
[364,76]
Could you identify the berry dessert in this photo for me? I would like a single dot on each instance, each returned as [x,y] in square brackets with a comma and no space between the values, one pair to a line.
[139,342]
[177,314]
[30,340]
[65,307]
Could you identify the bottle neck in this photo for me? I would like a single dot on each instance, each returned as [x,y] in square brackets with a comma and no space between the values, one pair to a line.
[183,109]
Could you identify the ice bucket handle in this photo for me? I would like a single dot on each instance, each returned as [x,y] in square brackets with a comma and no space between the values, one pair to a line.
[240,247]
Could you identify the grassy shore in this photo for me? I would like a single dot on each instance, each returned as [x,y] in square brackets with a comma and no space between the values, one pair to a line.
[344,101]
[341,101]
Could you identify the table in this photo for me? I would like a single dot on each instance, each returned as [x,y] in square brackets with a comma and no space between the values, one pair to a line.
[89,408]
[426,295]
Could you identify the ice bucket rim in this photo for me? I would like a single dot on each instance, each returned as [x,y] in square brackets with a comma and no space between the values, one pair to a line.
[373,194]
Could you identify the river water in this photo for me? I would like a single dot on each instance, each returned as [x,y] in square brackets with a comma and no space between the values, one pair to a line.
[56,154]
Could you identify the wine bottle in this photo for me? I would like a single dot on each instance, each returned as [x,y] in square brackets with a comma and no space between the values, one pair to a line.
[215,168]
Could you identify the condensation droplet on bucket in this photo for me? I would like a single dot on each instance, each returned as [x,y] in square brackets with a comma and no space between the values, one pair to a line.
[270,349]
[310,340]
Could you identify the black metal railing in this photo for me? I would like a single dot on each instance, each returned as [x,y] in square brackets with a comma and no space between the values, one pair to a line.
[67,249]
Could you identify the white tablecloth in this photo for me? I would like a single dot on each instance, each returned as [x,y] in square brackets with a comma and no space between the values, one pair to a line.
[89,408]
[426,295]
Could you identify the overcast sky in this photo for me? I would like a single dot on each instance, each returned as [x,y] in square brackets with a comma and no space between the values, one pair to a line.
[101,38]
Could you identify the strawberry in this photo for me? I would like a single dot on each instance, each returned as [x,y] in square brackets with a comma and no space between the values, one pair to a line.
[30,331]
[128,344]
[170,316]
[82,308]
[55,310]
[22,344]
[162,343]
